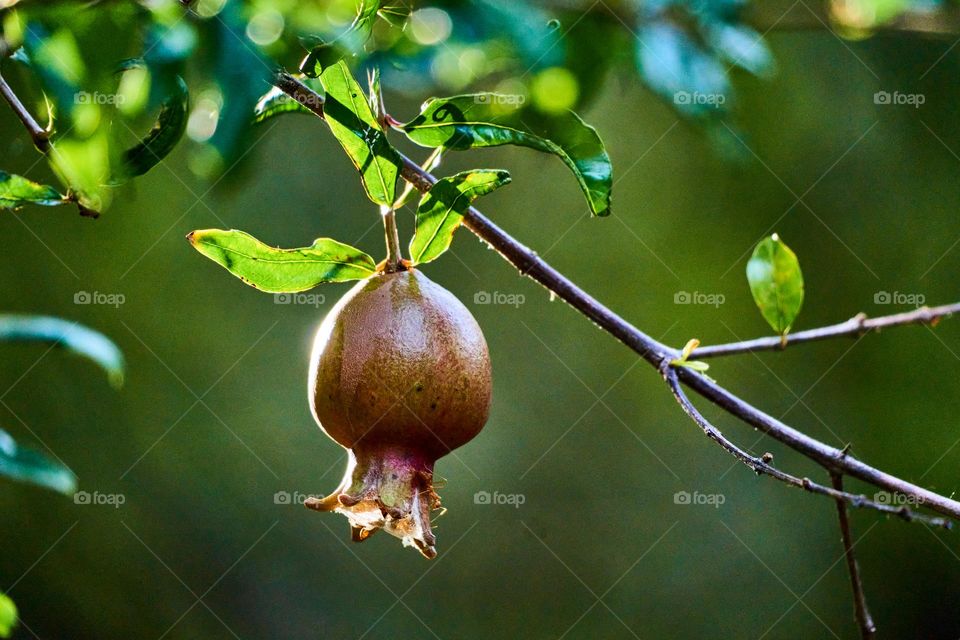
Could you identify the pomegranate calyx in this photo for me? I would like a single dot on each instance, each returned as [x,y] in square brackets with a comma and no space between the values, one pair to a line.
[389,489]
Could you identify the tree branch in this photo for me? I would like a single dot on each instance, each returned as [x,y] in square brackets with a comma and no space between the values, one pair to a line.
[39,135]
[651,350]
[868,629]
[855,326]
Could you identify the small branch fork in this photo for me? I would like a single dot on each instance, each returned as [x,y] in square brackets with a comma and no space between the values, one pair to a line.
[762,466]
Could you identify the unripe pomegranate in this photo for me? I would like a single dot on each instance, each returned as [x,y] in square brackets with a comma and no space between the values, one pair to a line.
[399,376]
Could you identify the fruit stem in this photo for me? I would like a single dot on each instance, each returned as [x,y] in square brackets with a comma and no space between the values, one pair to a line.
[393,239]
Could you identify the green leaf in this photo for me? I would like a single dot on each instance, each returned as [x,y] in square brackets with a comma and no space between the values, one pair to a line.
[776,283]
[8,616]
[440,209]
[27,465]
[273,103]
[16,191]
[70,335]
[353,124]
[162,138]
[282,270]
[696,365]
[487,120]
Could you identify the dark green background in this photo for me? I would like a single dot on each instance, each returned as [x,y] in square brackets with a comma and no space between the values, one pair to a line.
[599,517]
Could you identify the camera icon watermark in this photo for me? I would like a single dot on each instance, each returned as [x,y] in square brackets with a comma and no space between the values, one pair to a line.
[699,298]
[294,498]
[496,498]
[696,498]
[96,297]
[86,97]
[85,498]
[497,297]
[897,499]
[715,100]
[898,99]
[314,300]
[508,99]
[899,297]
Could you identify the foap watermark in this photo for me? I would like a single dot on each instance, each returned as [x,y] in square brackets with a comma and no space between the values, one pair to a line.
[497,297]
[714,100]
[696,498]
[306,299]
[496,498]
[899,99]
[296,497]
[897,499]
[308,99]
[97,499]
[98,297]
[511,99]
[899,297]
[699,297]
[86,97]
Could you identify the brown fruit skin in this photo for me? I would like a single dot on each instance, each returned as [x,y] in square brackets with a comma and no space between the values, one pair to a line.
[400,362]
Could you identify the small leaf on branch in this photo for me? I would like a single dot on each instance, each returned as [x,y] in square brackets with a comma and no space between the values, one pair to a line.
[282,270]
[16,191]
[688,348]
[70,335]
[27,465]
[776,283]
[695,365]
[356,128]
[440,209]
[489,120]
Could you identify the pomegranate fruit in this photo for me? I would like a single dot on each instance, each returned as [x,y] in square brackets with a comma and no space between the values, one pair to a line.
[399,376]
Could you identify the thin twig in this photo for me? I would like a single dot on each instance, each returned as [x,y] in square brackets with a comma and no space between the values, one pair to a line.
[855,326]
[40,136]
[868,629]
[762,466]
[392,239]
[831,458]
[651,350]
